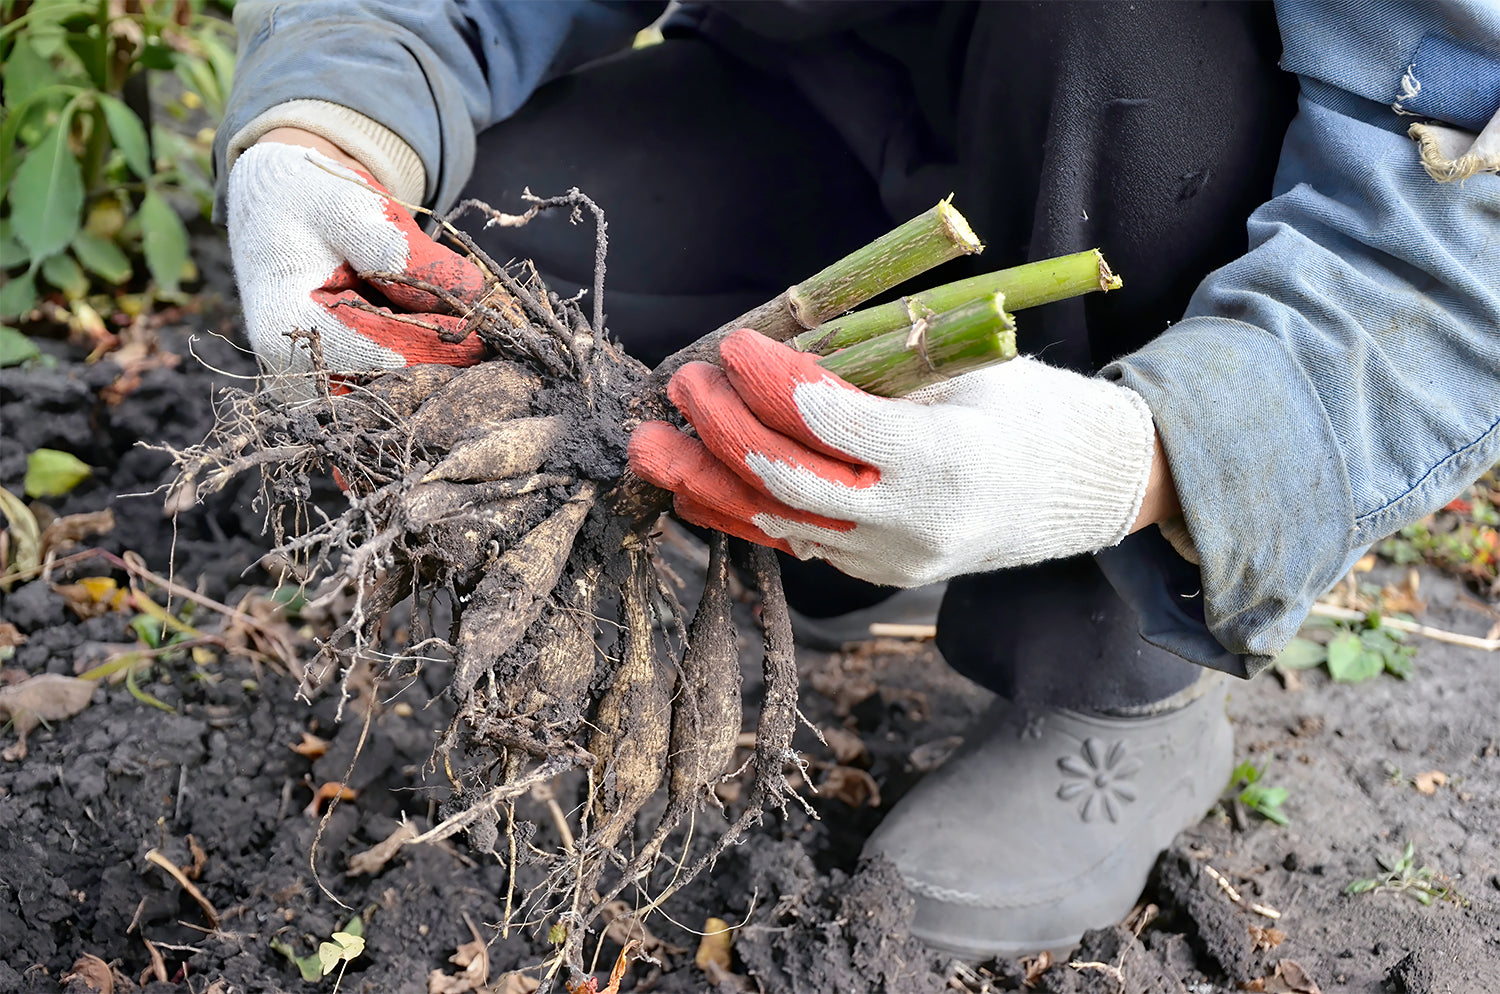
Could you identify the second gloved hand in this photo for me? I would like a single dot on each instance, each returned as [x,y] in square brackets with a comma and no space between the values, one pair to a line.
[301,229]
[1014,464]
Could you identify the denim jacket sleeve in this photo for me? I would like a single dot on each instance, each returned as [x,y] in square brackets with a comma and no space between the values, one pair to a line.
[434,72]
[1341,379]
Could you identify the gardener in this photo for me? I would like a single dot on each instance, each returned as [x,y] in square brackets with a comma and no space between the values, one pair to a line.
[1272,405]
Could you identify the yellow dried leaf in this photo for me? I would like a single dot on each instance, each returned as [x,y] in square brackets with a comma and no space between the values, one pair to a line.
[851,785]
[1428,783]
[848,748]
[311,746]
[713,955]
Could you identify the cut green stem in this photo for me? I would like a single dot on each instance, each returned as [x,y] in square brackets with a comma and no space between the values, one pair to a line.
[929,351]
[927,240]
[1025,286]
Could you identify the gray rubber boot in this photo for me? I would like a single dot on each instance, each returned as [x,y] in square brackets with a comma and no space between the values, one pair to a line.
[1046,825]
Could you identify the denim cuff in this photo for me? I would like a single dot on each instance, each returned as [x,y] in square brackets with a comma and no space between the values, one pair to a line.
[1263,487]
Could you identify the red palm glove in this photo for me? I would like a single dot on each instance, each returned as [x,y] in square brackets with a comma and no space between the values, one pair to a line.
[1013,464]
[300,230]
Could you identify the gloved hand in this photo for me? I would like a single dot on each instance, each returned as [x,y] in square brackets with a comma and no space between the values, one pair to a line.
[300,232]
[1013,464]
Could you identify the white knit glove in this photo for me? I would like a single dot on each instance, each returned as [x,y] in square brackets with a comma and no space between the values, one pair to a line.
[1013,464]
[300,232]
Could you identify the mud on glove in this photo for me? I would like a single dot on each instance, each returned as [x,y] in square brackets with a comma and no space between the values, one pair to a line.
[1014,464]
[300,230]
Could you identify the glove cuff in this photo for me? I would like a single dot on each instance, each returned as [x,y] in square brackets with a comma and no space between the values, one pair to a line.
[1100,466]
[379,149]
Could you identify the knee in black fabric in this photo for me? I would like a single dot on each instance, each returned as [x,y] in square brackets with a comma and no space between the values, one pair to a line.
[1055,635]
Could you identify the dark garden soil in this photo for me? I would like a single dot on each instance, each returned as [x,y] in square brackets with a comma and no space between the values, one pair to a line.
[216,776]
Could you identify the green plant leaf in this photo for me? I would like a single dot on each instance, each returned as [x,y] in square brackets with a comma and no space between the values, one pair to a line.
[15,348]
[1399,663]
[354,926]
[52,473]
[1343,655]
[63,272]
[1301,654]
[344,946]
[129,134]
[25,535]
[165,241]
[12,252]
[46,194]
[17,296]
[102,257]
[25,73]
[311,967]
[1361,886]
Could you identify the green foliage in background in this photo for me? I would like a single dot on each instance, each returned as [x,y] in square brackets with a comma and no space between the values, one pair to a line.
[89,180]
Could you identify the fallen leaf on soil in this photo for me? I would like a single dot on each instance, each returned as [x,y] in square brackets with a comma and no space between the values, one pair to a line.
[44,697]
[94,972]
[1428,783]
[311,746]
[473,957]
[10,636]
[67,531]
[53,472]
[1034,966]
[373,859]
[851,785]
[713,956]
[848,748]
[93,596]
[930,755]
[329,790]
[591,985]
[1403,599]
[1293,979]
[1266,938]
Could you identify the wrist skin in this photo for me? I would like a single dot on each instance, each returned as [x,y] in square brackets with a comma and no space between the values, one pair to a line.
[1160,501]
[296,136]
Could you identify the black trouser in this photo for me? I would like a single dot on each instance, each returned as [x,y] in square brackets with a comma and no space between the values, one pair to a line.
[1150,131]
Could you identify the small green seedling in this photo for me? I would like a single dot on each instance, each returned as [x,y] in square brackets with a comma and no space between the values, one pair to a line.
[1264,800]
[1355,652]
[336,952]
[1422,884]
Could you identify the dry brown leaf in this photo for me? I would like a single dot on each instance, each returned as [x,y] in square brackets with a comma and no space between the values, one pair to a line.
[1266,938]
[851,785]
[93,596]
[311,746]
[847,747]
[10,636]
[1428,783]
[373,859]
[1292,974]
[67,531]
[1403,599]
[44,697]
[713,948]
[474,958]
[1035,966]
[94,972]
